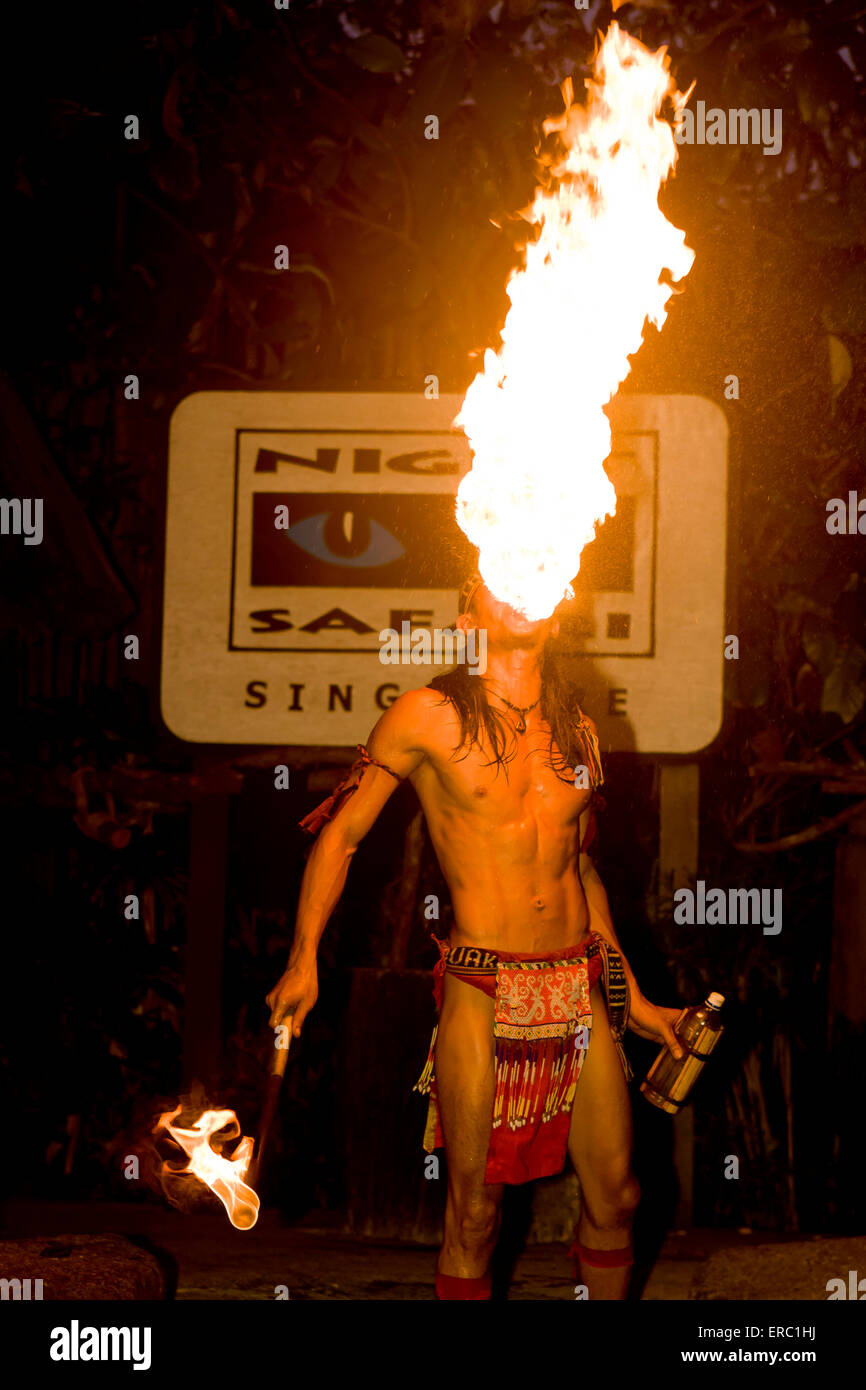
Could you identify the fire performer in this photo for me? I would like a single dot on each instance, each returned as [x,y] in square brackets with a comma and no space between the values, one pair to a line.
[527,1059]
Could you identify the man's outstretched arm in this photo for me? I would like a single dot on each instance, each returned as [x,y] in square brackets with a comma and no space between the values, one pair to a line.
[397,740]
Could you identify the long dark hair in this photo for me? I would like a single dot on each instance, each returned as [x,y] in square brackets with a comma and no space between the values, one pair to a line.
[559,708]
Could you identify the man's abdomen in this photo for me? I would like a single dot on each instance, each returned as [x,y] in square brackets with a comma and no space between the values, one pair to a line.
[512,914]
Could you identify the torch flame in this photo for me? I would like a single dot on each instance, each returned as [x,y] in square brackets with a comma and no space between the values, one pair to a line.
[534,415]
[224,1176]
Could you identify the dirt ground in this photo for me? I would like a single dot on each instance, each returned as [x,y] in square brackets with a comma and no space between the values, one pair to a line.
[205,1258]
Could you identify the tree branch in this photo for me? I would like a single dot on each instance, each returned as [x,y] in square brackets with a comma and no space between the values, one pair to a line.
[804,837]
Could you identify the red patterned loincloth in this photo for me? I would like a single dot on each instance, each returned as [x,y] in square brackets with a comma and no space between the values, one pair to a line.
[541,1028]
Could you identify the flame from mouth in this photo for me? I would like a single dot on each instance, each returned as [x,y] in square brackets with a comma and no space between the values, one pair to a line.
[224,1176]
[534,416]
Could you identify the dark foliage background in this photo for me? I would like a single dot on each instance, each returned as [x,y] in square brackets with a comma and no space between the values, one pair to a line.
[155,257]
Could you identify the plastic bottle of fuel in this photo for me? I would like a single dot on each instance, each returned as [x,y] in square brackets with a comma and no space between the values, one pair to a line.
[669,1080]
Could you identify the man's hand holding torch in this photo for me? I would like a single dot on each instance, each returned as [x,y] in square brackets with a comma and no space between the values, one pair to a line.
[294,994]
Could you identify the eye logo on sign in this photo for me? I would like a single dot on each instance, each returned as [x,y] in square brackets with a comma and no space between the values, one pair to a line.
[370,532]
[346,538]
[356,541]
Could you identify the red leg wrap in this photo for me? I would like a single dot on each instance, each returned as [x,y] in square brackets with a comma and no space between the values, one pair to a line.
[602,1259]
[450,1286]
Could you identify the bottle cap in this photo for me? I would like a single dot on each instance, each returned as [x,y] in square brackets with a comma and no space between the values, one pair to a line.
[717,1000]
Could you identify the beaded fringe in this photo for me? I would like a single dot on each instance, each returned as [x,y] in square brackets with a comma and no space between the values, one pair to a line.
[527,1074]
[531,1076]
[532,1073]
[425,1080]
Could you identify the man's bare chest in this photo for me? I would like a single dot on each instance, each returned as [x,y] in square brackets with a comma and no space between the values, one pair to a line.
[533,783]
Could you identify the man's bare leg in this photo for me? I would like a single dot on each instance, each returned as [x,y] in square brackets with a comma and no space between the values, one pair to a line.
[464,1088]
[600,1146]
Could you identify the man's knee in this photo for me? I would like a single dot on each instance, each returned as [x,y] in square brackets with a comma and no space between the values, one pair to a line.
[615,1204]
[475,1219]
[629,1198]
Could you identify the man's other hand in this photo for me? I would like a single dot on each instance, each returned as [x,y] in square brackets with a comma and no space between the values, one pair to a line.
[656,1024]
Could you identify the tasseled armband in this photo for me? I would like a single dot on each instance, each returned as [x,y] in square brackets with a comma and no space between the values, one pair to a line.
[592,751]
[327,809]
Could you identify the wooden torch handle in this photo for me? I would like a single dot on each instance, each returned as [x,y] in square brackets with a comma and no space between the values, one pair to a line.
[272,1094]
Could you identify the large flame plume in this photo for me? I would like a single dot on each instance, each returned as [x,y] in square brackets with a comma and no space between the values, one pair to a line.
[534,415]
[224,1176]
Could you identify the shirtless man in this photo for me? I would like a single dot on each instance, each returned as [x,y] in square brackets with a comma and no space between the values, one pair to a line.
[508,847]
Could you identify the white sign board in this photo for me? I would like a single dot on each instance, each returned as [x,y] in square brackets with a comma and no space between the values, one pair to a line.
[301,525]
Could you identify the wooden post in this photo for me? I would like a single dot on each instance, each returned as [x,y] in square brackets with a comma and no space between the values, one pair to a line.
[678,827]
[390,1190]
[205,939]
[678,867]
